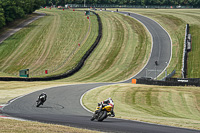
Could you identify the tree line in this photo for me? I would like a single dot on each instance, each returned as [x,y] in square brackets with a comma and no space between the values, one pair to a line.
[194,3]
[11,10]
[14,9]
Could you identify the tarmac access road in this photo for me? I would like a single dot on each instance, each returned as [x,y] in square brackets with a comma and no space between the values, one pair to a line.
[19,27]
[63,104]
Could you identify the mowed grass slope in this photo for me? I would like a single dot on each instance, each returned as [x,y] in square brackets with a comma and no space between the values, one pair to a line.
[50,43]
[174,21]
[123,50]
[193,56]
[174,106]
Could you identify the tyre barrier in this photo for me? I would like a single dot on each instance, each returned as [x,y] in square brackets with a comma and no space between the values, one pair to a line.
[168,82]
[69,73]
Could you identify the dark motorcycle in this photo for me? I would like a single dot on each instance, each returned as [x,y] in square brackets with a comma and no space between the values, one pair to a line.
[40,101]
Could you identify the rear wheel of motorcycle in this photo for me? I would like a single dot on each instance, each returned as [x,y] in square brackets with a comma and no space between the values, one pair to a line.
[102,115]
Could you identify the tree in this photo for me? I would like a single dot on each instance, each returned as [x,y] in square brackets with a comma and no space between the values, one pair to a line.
[11,11]
[2,18]
[14,9]
[37,4]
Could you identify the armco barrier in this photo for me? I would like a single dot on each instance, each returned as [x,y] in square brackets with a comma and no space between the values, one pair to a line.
[71,72]
[186,49]
[194,80]
[169,75]
[125,6]
[172,82]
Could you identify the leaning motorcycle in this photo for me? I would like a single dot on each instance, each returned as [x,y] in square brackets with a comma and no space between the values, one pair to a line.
[102,114]
[40,101]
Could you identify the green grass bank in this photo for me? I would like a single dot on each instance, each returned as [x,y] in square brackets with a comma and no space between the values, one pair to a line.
[15,126]
[173,106]
[123,50]
[50,43]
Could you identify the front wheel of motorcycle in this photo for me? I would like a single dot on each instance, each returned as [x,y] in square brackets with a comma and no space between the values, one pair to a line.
[92,118]
[38,104]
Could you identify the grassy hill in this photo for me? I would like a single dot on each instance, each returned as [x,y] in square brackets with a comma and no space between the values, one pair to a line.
[122,52]
[174,106]
[50,43]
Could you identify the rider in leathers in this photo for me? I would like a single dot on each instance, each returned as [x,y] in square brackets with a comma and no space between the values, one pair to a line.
[108,101]
[43,97]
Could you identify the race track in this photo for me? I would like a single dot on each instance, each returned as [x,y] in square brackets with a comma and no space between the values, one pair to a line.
[161,48]
[63,104]
[63,107]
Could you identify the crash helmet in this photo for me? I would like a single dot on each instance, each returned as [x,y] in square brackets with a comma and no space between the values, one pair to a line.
[110,99]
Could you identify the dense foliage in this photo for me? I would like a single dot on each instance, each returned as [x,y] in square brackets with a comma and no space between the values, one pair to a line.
[195,3]
[14,9]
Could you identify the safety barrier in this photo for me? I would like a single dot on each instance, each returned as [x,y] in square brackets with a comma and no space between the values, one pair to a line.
[125,6]
[69,73]
[169,82]
[186,49]
[169,75]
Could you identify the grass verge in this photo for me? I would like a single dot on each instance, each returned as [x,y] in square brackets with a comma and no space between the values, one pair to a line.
[10,90]
[193,56]
[14,126]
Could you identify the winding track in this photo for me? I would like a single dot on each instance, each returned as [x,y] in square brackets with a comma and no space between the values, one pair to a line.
[63,104]
[161,48]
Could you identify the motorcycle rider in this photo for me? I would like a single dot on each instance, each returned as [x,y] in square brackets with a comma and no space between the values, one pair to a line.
[106,102]
[42,97]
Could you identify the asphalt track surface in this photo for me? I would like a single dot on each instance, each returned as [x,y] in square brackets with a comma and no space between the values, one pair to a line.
[161,48]
[63,106]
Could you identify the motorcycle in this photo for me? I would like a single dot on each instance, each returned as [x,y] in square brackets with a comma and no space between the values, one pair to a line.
[102,114]
[40,101]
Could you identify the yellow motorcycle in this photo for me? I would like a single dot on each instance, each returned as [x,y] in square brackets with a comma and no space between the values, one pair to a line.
[102,114]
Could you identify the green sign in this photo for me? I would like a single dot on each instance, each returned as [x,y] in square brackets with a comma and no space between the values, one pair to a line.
[24,73]
[87,13]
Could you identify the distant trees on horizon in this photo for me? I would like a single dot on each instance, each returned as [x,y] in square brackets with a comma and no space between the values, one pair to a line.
[195,3]
[11,10]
